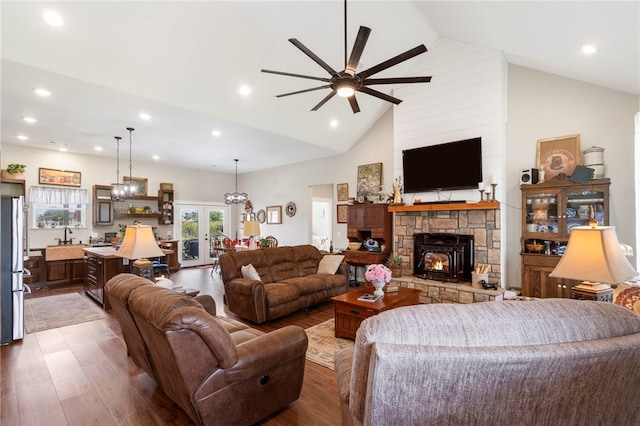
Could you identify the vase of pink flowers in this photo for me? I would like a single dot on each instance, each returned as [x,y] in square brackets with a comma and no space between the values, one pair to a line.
[378,275]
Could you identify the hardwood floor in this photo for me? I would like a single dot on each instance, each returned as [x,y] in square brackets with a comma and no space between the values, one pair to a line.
[81,374]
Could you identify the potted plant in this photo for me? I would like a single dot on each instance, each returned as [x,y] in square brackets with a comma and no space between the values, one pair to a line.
[394,262]
[14,171]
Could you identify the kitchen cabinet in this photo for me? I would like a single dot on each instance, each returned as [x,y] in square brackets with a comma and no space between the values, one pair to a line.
[64,272]
[550,210]
[102,205]
[101,265]
[35,266]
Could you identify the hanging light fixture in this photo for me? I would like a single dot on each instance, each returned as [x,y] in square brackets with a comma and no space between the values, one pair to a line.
[117,189]
[130,189]
[236,197]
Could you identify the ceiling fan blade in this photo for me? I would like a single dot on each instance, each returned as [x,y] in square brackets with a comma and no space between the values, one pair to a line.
[358,48]
[380,95]
[393,61]
[354,104]
[303,91]
[397,80]
[295,75]
[324,101]
[313,56]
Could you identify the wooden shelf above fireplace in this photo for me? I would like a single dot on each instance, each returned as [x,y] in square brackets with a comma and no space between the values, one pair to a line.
[485,205]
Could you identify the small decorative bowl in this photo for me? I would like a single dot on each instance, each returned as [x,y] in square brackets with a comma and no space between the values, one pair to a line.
[535,247]
[355,246]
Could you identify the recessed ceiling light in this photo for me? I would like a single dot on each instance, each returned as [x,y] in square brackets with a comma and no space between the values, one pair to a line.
[145,116]
[52,18]
[333,123]
[42,92]
[97,148]
[156,157]
[589,49]
[29,119]
[23,137]
[216,133]
[62,149]
[245,90]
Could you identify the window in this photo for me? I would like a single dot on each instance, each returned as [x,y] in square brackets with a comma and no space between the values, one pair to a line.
[58,207]
[59,215]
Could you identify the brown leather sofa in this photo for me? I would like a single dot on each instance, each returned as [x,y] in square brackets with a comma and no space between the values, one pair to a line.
[219,371]
[288,281]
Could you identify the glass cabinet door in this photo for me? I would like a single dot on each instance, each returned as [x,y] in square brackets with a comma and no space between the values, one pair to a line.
[542,213]
[582,206]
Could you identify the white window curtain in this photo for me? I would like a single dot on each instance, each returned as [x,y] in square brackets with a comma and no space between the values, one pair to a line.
[51,195]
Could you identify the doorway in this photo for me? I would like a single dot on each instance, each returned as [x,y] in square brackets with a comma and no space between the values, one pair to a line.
[197,224]
[321,197]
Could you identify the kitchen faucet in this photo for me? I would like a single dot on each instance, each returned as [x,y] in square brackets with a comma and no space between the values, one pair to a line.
[65,241]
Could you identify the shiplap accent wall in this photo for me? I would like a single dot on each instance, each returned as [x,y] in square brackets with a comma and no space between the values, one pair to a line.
[466,98]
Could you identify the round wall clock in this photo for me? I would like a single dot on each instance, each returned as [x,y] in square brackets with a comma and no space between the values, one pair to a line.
[290,209]
[260,216]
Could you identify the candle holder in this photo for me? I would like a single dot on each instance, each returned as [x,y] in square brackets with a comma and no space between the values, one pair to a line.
[494,191]
[488,194]
[481,194]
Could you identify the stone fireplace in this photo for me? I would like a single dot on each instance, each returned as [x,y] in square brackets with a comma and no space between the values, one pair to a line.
[480,223]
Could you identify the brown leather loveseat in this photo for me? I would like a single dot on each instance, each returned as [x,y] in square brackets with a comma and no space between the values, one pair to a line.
[219,371]
[290,280]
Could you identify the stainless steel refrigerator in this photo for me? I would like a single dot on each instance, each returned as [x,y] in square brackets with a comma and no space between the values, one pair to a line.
[12,232]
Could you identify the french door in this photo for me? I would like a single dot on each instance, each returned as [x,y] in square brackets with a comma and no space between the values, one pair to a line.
[196,224]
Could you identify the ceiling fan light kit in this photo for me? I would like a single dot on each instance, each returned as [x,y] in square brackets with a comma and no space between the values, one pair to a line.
[345,83]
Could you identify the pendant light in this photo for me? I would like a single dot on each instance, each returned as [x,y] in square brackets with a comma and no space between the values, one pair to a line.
[117,189]
[236,197]
[130,189]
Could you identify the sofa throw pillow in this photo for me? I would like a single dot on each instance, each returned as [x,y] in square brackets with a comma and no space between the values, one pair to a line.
[248,271]
[164,282]
[330,263]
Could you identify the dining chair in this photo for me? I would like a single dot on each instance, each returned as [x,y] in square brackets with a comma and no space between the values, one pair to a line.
[271,241]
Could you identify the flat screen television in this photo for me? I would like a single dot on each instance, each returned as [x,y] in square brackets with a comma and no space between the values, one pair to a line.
[447,166]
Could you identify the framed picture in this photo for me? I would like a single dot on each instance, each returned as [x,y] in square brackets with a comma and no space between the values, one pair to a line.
[558,155]
[274,214]
[342,213]
[343,191]
[141,184]
[369,181]
[261,215]
[58,177]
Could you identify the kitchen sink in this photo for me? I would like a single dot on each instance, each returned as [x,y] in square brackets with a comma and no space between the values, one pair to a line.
[62,252]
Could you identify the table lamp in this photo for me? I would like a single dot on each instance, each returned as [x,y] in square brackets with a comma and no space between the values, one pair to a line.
[139,244]
[594,256]
[251,230]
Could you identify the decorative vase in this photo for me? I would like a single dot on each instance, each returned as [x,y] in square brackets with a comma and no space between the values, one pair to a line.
[379,285]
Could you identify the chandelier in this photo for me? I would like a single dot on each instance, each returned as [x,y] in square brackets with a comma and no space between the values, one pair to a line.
[236,197]
[123,190]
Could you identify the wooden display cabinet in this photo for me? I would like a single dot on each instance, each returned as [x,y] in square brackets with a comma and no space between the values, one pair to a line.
[165,207]
[369,221]
[139,202]
[550,210]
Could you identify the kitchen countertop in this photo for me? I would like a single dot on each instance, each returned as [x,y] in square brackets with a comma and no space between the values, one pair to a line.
[104,252]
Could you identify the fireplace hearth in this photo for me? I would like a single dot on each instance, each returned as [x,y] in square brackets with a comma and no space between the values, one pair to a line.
[443,257]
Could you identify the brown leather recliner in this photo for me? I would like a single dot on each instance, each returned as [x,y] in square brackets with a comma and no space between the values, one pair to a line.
[118,290]
[219,371]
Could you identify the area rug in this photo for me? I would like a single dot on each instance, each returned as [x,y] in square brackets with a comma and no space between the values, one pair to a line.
[44,313]
[323,344]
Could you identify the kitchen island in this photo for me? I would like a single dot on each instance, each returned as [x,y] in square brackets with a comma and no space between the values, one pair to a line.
[102,264]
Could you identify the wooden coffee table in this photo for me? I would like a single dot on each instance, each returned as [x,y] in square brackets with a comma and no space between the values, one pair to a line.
[350,312]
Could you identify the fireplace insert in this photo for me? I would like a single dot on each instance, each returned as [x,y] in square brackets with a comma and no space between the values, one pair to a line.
[443,257]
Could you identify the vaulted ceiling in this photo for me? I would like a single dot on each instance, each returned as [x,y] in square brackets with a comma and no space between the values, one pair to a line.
[184,62]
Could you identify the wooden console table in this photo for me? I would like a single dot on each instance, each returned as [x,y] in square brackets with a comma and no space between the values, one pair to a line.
[350,312]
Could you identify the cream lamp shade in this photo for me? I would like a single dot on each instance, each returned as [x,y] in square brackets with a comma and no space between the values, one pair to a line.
[251,228]
[594,256]
[139,243]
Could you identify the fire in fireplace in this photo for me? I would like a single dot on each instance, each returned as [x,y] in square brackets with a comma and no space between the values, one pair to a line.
[443,257]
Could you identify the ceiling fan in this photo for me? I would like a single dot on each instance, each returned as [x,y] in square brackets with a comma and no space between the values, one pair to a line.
[346,82]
